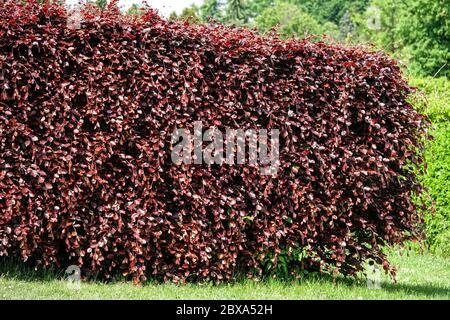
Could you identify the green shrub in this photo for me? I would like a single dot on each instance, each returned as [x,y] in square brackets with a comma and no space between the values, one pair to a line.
[437,180]
[433,97]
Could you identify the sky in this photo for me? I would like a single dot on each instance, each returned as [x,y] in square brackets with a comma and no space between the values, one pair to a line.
[165,7]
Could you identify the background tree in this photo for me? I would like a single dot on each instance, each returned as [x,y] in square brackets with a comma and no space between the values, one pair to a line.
[135,10]
[212,9]
[173,16]
[190,14]
[101,3]
[380,23]
[256,7]
[236,12]
[289,18]
[346,27]
[424,31]
[415,31]
[331,10]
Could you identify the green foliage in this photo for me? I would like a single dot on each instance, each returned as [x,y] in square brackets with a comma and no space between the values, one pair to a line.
[256,7]
[135,10]
[346,26]
[173,16]
[379,23]
[212,9]
[101,3]
[286,263]
[433,97]
[424,30]
[236,12]
[437,180]
[417,31]
[331,30]
[331,10]
[190,14]
[289,19]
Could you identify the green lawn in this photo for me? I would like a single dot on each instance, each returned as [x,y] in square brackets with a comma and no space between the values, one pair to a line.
[419,277]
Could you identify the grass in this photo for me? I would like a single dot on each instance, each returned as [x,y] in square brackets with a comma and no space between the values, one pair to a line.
[419,277]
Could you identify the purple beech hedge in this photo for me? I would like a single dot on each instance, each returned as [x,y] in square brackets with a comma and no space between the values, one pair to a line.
[86,176]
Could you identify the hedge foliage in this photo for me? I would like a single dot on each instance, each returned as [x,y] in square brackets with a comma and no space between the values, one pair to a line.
[434,99]
[437,181]
[85,170]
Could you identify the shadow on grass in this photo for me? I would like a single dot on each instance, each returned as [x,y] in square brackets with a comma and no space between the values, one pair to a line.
[15,269]
[424,289]
[429,290]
